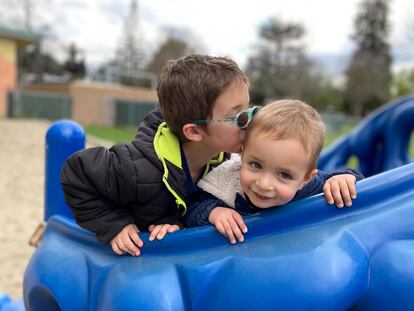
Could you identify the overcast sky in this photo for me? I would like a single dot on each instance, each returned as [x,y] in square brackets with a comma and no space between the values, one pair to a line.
[222,27]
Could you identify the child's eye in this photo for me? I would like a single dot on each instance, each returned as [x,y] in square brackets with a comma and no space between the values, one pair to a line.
[255,165]
[285,175]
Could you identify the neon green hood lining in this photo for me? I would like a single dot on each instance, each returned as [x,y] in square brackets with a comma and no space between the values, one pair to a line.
[167,147]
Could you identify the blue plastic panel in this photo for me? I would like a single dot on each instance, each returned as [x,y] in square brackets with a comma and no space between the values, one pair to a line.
[306,255]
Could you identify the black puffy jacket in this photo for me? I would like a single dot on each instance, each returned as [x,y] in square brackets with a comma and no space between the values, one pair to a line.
[142,182]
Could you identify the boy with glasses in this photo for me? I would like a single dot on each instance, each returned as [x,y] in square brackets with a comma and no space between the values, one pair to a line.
[148,184]
[277,165]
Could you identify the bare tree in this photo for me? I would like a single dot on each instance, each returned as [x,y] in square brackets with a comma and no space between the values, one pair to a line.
[26,14]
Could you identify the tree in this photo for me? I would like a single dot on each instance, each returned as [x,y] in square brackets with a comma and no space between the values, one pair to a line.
[76,67]
[18,13]
[368,75]
[321,93]
[172,49]
[280,67]
[46,62]
[30,16]
[130,57]
[403,83]
[403,80]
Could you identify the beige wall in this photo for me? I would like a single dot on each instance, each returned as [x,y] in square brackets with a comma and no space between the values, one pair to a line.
[8,71]
[93,103]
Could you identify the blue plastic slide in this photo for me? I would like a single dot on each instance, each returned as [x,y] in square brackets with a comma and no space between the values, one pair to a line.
[303,256]
[380,142]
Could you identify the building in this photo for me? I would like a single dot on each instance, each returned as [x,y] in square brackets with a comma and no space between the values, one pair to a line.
[86,102]
[11,42]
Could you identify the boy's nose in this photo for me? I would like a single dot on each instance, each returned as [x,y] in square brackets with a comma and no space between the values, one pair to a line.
[264,183]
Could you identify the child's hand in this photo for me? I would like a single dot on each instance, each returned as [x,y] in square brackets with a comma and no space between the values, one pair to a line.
[229,223]
[159,231]
[127,241]
[339,189]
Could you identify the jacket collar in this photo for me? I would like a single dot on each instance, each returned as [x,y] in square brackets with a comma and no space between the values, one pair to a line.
[167,149]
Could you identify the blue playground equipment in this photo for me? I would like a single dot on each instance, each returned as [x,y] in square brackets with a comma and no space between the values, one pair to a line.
[380,142]
[303,256]
[7,304]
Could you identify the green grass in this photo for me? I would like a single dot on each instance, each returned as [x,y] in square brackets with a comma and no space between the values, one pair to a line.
[112,134]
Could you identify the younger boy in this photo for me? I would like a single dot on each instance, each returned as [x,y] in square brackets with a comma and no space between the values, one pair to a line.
[147,185]
[278,165]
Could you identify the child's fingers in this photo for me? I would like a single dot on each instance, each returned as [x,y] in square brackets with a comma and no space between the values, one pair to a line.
[173,228]
[220,228]
[240,222]
[154,232]
[159,231]
[229,232]
[352,188]
[116,249]
[121,246]
[236,230]
[327,193]
[336,193]
[163,231]
[345,195]
[136,239]
[131,247]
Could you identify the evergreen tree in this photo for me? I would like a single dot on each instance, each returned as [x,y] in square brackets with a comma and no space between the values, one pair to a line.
[368,75]
[130,56]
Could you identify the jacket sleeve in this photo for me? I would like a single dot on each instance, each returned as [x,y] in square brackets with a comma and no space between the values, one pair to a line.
[97,184]
[198,212]
[315,186]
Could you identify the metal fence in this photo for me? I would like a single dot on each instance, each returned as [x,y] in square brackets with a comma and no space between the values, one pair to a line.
[336,122]
[30,104]
[130,113]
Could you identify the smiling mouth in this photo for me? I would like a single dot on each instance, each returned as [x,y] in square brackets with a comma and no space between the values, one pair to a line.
[261,197]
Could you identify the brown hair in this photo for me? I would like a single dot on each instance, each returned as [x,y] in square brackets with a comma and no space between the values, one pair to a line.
[289,118]
[189,87]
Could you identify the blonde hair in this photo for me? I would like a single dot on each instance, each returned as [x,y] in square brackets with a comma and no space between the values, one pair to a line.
[287,118]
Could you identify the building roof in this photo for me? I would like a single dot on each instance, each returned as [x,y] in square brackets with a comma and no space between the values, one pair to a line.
[22,37]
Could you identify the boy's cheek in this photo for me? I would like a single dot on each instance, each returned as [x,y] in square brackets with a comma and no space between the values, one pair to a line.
[244,179]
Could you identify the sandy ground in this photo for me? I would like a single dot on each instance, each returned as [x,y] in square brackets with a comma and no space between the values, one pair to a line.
[21,197]
[22,144]
[22,164]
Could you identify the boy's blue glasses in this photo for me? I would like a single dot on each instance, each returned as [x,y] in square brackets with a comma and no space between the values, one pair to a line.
[241,120]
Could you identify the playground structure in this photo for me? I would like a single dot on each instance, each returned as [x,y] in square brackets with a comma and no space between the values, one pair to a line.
[306,255]
[380,142]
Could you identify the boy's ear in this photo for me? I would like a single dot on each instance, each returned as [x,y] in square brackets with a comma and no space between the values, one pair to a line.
[192,132]
[309,177]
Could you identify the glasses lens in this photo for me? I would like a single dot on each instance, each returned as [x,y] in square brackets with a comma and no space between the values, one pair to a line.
[242,119]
